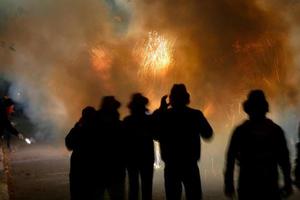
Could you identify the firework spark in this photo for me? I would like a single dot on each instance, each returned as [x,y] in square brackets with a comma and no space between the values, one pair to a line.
[156,53]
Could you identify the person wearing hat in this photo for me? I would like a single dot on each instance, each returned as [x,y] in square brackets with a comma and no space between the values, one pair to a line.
[109,163]
[6,109]
[259,147]
[140,148]
[179,131]
[79,142]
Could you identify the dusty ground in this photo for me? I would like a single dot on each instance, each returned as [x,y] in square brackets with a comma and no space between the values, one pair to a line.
[40,172]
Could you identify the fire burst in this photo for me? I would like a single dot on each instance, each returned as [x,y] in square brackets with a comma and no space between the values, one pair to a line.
[101,60]
[156,53]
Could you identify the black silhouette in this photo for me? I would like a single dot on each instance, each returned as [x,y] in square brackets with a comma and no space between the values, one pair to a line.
[6,127]
[297,169]
[7,138]
[140,148]
[78,141]
[179,131]
[109,151]
[258,146]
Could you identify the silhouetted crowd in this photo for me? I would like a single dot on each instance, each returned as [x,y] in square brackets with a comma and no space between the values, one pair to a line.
[105,149]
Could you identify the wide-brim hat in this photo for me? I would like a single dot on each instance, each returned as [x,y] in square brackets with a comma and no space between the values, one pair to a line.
[138,101]
[256,102]
[179,94]
[110,102]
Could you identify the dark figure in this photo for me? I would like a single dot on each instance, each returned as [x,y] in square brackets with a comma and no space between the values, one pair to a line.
[180,128]
[297,169]
[109,151]
[140,148]
[78,141]
[6,127]
[7,137]
[259,147]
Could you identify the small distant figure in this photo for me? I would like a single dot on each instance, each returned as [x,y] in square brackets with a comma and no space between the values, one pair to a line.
[6,127]
[7,138]
[259,147]
[79,142]
[179,130]
[140,148]
[110,168]
[297,168]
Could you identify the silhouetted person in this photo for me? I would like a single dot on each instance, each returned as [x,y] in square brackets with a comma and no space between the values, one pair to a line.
[140,148]
[109,150]
[7,137]
[180,128]
[79,142]
[259,147]
[6,127]
[297,169]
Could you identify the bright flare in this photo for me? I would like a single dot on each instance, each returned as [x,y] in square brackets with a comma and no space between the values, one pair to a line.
[27,140]
[156,53]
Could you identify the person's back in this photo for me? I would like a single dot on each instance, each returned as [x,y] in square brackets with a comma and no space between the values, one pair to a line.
[108,140]
[180,128]
[259,147]
[139,148]
[139,141]
[180,135]
[109,164]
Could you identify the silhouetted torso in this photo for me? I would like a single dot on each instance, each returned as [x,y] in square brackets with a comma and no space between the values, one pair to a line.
[259,147]
[5,124]
[109,155]
[180,133]
[109,143]
[179,137]
[139,139]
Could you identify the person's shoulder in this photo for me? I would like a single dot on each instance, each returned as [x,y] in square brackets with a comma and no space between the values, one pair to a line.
[242,126]
[273,125]
[194,111]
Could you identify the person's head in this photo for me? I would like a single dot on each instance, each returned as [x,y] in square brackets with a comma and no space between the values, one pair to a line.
[8,105]
[179,97]
[138,103]
[256,105]
[109,103]
[88,114]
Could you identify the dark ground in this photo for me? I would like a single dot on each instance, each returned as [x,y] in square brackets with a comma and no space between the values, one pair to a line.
[40,172]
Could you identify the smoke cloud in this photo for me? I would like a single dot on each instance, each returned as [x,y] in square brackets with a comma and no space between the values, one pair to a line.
[63,55]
